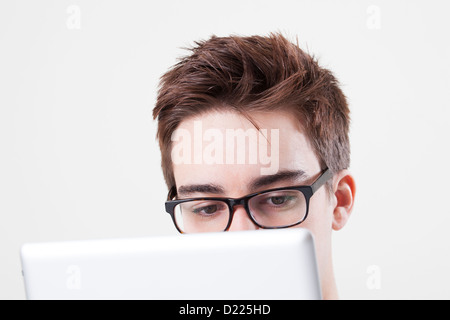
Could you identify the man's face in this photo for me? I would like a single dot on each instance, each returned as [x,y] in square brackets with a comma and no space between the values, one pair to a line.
[217,164]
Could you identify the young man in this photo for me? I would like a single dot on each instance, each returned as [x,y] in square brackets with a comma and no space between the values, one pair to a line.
[245,125]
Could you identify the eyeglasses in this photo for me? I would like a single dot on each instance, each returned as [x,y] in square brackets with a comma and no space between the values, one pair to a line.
[269,209]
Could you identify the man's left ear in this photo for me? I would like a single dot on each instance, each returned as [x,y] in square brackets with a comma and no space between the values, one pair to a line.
[344,189]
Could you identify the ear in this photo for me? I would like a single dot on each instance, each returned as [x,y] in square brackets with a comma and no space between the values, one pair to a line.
[344,190]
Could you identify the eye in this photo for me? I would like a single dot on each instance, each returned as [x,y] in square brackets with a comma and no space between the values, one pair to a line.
[206,209]
[278,200]
[209,208]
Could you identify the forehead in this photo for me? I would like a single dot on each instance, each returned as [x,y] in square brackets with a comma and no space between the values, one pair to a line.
[225,148]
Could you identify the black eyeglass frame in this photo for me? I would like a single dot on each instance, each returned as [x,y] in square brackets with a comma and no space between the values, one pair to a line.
[308,192]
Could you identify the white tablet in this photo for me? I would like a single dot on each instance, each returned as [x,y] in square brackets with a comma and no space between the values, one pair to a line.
[248,265]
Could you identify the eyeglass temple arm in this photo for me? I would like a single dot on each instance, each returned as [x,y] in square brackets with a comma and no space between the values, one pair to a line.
[324,177]
[172,193]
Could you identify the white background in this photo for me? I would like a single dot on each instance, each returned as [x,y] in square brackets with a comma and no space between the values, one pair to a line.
[79,160]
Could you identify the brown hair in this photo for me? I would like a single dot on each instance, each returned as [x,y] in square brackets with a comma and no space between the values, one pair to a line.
[255,73]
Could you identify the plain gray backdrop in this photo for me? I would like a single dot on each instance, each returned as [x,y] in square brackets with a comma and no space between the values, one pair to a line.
[79,160]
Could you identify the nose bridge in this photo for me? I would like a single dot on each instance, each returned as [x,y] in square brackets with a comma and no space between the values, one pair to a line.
[237,202]
[240,217]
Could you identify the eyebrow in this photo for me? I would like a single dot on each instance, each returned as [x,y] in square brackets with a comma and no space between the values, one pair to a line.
[258,183]
[284,175]
[200,188]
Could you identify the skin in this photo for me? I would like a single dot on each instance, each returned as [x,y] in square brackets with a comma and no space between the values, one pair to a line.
[328,210]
